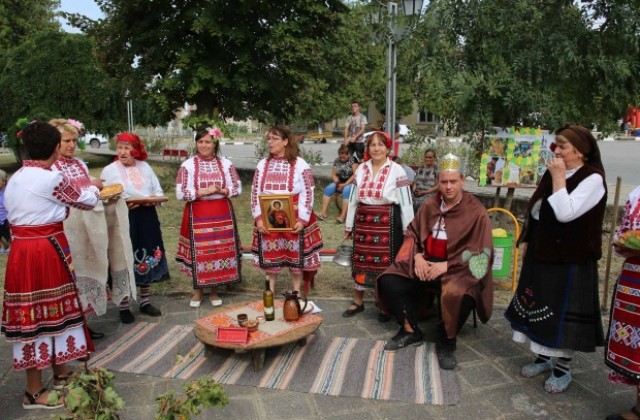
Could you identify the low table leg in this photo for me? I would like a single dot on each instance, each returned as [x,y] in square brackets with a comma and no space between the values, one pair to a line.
[208,350]
[258,359]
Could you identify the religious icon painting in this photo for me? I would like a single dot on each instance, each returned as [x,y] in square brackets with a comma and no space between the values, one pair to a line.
[278,213]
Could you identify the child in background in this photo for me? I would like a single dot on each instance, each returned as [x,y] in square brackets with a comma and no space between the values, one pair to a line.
[5,235]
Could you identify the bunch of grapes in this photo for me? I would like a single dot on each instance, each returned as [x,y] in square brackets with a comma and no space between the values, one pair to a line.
[478,263]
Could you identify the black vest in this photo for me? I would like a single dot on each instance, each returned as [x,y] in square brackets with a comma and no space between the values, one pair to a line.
[577,241]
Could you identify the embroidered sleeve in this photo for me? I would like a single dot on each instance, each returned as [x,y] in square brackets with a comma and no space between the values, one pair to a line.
[256,212]
[83,199]
[184,189]
[305,204]
[234,184]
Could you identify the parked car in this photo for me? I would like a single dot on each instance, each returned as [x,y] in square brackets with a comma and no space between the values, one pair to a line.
[94,140]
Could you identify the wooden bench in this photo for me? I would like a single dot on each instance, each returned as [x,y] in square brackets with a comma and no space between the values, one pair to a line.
[172,152]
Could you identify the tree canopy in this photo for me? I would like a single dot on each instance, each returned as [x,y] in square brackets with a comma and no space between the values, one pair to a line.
[245,58]
[537,63]
[21,18]
[55,74]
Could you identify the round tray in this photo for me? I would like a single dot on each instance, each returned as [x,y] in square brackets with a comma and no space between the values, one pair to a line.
[147,200]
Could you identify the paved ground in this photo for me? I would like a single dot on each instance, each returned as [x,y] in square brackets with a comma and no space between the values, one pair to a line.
[488,375]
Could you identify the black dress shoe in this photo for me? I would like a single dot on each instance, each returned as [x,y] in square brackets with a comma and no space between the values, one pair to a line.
[351,312]
[150,310]
[95,335]
[446,356]
[126,317]
[404,340]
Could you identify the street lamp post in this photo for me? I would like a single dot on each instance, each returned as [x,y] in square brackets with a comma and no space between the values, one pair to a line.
[395,34]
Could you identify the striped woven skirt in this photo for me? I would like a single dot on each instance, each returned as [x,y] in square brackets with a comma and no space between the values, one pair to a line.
[41,312]
[209,248]
[621,353]
[377,237]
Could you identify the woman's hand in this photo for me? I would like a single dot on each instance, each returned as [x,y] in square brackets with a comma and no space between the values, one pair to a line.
[132,206]
[297,228]
[98,183]
[260,227]
[557,168]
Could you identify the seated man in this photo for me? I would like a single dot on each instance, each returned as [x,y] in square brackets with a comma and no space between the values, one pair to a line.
[447,250]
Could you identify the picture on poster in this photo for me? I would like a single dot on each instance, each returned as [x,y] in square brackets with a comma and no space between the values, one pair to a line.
[515,157]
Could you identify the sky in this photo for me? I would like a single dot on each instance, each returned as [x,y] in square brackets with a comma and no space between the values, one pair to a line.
[84,7]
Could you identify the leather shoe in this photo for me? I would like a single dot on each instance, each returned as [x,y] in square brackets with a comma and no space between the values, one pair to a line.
[351,312]
[150,310]
[404,340]
[446,357]
[126,317]
[95,335]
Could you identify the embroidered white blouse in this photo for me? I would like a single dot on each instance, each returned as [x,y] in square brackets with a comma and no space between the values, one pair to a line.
[37,196]
[138,181]
[201,172]
[277,176]
[389,186]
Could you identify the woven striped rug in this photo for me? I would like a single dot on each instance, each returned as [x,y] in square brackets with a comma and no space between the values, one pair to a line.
[326,365]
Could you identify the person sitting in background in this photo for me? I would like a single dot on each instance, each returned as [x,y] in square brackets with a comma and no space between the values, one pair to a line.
[447,250]
[426,181]
[5,234]
[342,174]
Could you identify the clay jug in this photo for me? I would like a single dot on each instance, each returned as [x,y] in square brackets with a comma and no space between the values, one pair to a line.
[291,308]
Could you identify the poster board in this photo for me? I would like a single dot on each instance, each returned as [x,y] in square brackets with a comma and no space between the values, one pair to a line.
[515,157]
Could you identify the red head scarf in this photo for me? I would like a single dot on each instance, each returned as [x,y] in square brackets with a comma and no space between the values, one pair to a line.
[138,152]
[386,139]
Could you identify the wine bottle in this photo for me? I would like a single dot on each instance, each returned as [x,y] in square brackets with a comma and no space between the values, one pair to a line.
[267,300]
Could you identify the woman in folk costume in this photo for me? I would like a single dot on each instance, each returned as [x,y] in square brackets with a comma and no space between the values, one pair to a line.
[209,248]
[284,172]
[98,237]
[380,209]
[139,182]
[621,352]
[41,313]
[555,306]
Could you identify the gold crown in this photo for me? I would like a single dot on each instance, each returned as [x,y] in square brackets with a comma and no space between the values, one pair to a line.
[449,162]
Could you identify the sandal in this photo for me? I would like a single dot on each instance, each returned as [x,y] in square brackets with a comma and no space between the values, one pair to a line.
[321,217]
[63,379]
[351,312]
[618,416]
[339,221]
[33,404]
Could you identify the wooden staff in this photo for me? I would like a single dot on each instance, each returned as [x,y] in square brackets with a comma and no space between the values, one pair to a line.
[614,219]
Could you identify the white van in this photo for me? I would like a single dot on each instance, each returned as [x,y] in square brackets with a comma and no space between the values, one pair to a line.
[94,140]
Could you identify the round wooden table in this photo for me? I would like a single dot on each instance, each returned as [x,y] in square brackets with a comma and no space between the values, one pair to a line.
[297,334]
